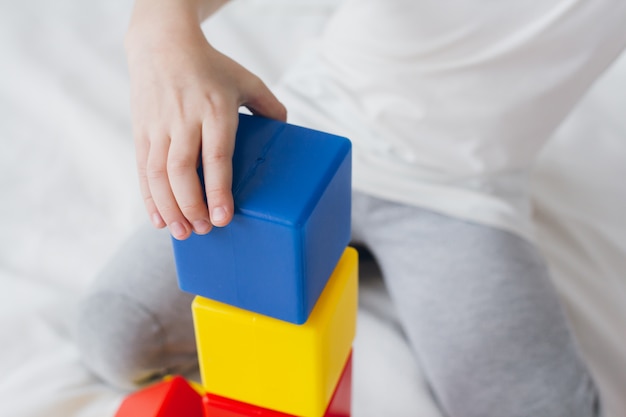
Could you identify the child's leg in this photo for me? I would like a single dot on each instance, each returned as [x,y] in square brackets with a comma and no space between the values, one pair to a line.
[480,312]
[135,324]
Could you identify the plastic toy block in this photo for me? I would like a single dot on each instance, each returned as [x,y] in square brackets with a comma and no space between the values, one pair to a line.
[340,404]
[275,364]
[171,398]
[216,406]
[292,194]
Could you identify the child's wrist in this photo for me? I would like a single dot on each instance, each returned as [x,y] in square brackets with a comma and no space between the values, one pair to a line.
[161,19]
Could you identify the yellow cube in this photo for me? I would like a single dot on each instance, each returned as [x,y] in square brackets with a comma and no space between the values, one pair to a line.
[275,364]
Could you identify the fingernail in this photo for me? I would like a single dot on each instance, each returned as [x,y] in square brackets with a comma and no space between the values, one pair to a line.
[178,230]
[218,215]
[157,221]
[201,227]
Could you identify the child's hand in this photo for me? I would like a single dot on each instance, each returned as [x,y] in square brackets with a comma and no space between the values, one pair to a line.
[185,97]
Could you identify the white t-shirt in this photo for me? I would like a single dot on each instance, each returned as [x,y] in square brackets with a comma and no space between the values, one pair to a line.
[448,103]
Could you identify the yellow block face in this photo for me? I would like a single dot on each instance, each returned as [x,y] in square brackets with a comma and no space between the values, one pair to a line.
[274,364]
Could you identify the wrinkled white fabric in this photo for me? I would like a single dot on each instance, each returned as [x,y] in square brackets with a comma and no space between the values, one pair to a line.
[448,103]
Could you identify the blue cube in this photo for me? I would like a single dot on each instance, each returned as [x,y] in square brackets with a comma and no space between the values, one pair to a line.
[292,192]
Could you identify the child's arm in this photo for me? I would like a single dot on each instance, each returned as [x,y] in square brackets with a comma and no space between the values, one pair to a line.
[185,97]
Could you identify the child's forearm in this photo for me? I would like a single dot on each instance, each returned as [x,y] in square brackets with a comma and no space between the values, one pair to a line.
[194,9]
[166,15]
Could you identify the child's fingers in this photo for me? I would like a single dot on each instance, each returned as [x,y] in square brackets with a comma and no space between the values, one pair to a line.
[260,100]
[181,169]
[160,189]
[218,143]
[142,147]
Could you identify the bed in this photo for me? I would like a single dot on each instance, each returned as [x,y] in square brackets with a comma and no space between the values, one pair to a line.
[69,198]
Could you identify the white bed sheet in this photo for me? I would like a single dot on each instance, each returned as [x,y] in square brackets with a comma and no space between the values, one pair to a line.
[69,198]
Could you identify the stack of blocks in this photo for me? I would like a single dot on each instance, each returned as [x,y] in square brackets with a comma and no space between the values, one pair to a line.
[276,289]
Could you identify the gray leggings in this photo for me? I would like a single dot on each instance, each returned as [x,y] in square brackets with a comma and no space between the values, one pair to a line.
[476,304]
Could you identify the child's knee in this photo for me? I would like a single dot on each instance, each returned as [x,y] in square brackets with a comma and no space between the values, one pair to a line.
[119,340]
